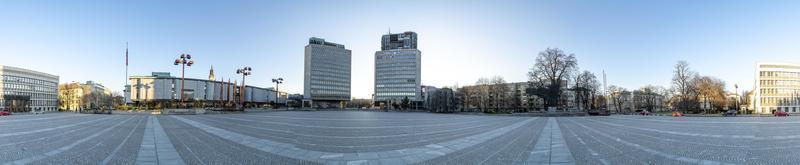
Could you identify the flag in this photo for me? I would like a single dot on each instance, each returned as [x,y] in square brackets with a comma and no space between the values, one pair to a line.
[126,54]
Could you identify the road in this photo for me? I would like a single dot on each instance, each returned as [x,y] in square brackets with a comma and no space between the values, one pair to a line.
[331,137]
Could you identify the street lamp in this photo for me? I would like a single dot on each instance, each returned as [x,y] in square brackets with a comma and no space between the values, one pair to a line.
[277,82]
[246,71]
[184,60]
[737,98]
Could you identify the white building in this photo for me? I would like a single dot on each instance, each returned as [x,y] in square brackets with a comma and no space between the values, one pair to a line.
[327,74]
[777,88]
[23,90]
[398,68]
[160,86]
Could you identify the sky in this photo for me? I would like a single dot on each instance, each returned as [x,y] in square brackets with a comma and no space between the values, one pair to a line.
[636,42]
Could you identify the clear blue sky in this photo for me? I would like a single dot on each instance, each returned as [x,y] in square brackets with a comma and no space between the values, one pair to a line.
[635,41]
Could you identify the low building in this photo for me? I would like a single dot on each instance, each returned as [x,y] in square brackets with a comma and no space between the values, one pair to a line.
[777,88]
[23,90]
[78,96]
[162,87]
[514,97]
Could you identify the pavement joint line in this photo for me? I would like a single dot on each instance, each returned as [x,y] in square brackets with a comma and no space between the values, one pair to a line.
[378,127]
[551,142]
[147,151]
[751,137]
[704,122]
[64,148]
[288,149]
[156,146]
[395,119]
[164,145]
[34,119]
[49,129]
[119,146]
[652,151]
[359,137]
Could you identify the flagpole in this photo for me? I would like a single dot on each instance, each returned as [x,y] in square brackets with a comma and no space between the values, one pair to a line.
[127,85]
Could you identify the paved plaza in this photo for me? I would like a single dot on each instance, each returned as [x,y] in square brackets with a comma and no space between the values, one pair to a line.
[334,137]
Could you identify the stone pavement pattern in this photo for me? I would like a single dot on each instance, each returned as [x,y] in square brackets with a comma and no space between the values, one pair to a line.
[328,137]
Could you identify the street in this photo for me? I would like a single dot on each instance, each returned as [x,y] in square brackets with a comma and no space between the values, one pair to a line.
[331,137]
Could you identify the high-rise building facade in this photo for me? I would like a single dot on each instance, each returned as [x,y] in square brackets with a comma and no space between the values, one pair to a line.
[23,90]
[398,68]
[777,88]
[327,74]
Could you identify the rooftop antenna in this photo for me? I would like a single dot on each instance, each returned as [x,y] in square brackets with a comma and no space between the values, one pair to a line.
[390,30]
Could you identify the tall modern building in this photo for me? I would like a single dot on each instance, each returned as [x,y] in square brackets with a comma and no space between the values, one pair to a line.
[23,90]
[777,88]
[327,74]
[398,69]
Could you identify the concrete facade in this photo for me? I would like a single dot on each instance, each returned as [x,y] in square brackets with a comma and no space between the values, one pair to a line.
[161,87]
[23,90]
[327,73]
[398,69]
[777,88]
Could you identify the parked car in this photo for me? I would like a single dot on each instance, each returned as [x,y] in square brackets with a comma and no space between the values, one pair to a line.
[730,113]
[5,113]
[599,112]
[644,113]
[677,114]
[781,113]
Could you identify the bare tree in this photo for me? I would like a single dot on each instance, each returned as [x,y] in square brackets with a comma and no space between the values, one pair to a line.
[585,87]
[682,80]
[467,95]
[443,100]
[619,97]
[482,92]
[647,98]
[548,75]
[499,91]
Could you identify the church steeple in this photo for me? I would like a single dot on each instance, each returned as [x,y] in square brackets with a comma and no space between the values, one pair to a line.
[211,74]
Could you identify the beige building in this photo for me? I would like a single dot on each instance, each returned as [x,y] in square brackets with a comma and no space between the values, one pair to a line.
[79,96]
[777,88]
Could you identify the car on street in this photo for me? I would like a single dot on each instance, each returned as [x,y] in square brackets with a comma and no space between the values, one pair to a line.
[5,113]
[599,112]
[677,114]
[644,113]
[781,113]
[729,113]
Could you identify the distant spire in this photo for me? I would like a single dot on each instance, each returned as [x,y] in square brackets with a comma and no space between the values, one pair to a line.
[211,74]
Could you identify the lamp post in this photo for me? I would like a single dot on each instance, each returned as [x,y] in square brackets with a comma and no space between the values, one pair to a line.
[277,82]
[737,98]
[184,60]
[246,71]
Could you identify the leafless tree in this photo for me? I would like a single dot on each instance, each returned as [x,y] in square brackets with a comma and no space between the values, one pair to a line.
[467,97]
[585,89]
[499,91]
[443,100]
[682,80]
[648,98]
[483,88]
[548,75]
[619,97]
